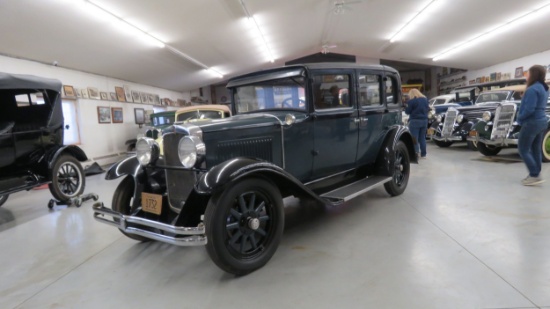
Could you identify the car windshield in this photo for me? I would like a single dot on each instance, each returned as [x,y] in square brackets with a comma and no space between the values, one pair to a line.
[492,97]
[163,120]
[193,115]
[285,93]
[437,101]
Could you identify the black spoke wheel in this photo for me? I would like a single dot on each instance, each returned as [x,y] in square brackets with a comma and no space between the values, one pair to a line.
[545,147]
[488,150]
[3,199]
[244,225]
[472,145]
[121,203]
[401,171]
[67,176]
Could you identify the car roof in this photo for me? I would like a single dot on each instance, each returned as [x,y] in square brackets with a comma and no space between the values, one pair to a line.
[22,81]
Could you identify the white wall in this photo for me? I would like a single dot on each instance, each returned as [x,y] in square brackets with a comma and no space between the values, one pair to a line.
[104,143]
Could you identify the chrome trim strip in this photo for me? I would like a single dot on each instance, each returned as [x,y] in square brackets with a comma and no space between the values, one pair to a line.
[195,235]
[500,142]
[445,139]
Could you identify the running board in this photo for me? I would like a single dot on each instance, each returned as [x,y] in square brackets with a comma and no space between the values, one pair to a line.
[352,190]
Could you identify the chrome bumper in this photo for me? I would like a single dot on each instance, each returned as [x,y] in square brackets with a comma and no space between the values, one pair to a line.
[499,142]
[447,139]
[192,236]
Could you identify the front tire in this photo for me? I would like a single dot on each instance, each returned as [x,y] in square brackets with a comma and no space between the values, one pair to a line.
[68,179]
[545,147]
[472,145]
[121,203]
[402,169]
[488,150]
[3,199]
[442,144]
[244,225]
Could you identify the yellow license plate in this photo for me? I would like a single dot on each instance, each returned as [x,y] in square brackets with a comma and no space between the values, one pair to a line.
[431,131]
[151,203]
[473,133]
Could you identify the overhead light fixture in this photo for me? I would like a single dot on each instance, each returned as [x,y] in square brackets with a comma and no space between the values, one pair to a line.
[123,24]
[254,24]
[193,60]
[494,31]
[397,35]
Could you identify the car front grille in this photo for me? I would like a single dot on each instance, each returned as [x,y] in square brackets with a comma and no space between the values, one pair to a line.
[449,123]
[504,117]
[260,148]
[179,183]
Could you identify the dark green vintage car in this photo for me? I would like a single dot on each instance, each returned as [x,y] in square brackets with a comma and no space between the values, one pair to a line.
[328,132]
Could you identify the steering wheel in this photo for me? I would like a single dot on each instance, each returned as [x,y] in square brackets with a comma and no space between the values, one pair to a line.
[288,102]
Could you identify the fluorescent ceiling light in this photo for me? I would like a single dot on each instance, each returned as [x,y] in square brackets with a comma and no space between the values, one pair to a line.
[254,24]
[494,31]
[193,60]
[406,27]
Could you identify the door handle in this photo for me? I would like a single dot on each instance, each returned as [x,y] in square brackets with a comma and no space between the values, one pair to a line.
[361,119]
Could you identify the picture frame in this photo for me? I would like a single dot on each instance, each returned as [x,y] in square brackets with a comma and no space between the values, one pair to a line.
[148,113]
[93,93]
[518,72]
[117,115]
[136,97]
[151,98]
[120,94]
[139,115]
[156,100]
[128,93]
[104,96]
[78,93]
[112,96]
[69,91]
[84,93]
[144,97]
[103,114]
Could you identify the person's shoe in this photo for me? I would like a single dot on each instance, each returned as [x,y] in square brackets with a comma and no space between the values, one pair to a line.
[423,157]
[531,181]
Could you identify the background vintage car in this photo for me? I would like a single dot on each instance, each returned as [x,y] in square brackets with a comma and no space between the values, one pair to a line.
[31,139]
[221,181]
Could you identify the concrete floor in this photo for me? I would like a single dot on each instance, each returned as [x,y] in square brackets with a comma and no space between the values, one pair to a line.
[465,234]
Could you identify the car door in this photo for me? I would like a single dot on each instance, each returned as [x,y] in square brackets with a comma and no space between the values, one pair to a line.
[335,127]
[371,110]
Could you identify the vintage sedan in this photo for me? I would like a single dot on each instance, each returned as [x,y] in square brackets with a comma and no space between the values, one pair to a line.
[221,182]
[455,125]
[31,139]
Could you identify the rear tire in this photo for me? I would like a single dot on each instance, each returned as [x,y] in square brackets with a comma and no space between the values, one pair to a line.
[68,179]
[401,172]
[472,145]
[443,144]
[545,147]
[488,150]
[121,203]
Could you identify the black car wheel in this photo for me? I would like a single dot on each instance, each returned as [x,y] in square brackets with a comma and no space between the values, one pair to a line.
[488,150]
[3,199]
[401,172]
[244,225]
[472,145]
[121,203]
[67,177]
[443,144]
[545,147]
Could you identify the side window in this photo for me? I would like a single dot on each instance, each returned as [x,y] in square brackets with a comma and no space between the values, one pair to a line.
[392,92]
[331,91]
[369,90]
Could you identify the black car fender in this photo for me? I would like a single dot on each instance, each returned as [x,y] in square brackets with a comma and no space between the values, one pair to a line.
[73,150]
[386,155]
[221,175]
[128,166]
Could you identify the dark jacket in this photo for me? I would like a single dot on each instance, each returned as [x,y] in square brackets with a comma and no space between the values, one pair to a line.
[533,103]
[418,108]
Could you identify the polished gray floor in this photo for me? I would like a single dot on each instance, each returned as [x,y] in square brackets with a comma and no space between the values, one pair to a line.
[465,234]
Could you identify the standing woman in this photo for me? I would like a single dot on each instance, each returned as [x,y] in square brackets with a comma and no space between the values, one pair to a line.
[418,108]
[532,119]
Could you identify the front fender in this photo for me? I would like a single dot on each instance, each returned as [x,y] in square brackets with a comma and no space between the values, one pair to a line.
[73,150]
[386,156]
[128,166]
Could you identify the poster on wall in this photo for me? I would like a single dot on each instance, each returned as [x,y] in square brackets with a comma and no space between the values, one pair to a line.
[120,94]
[104,114]
[117,114]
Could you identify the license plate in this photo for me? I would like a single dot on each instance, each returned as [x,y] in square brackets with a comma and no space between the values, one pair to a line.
[431,131]
[151,203]
[473,133]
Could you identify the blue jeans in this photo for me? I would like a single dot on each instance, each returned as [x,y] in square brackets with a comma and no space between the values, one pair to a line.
[418,128]
[530,145]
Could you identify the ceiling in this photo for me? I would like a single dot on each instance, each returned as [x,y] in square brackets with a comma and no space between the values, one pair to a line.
[215,33]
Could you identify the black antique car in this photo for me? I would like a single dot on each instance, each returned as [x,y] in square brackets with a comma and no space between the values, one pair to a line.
[31,139]
[455,125]
[292,134]
[498,129]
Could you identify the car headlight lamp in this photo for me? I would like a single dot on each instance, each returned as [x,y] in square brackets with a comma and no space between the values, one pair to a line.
[459,118]
[438,118]
[147,150]
[486,116]
[191,150]
[431,114]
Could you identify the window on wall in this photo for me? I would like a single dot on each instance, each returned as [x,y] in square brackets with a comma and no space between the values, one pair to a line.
[70,136]
[369,90]
[331,91]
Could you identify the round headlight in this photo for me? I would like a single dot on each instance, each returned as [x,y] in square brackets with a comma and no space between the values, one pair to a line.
[438,118]
[190,150]
[147,151]
[486,116]
[459,118]
[430,114]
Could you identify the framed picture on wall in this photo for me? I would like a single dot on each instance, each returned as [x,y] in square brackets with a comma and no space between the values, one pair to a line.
[151,98]
[128,93]
[139,115]
[69,91]
[78,93]
[144,97]
[112,96]
[93,92]
[519,72]
[104,95]
[116,112]
[120,94]
[157,99]
[84,93]
[135,96]
[104,114]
